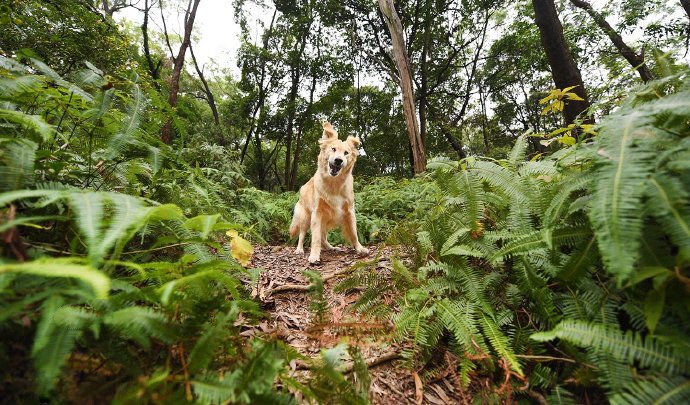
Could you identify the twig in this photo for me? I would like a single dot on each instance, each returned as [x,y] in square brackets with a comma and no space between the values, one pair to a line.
[349,367]
[187,384]
[302,287]
[371,363]
[545,358]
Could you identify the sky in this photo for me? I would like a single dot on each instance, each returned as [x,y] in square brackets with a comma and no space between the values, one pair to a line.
[215,32]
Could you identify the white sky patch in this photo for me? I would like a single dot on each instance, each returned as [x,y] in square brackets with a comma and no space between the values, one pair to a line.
[216,36]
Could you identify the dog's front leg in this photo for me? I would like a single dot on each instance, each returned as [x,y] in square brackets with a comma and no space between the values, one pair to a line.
[350,231]
[316,235]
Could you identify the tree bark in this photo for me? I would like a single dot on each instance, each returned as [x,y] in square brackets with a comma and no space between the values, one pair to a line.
[563,68]
[153,70]
[686,6]
[634,59]
[178,64]
[209,94]
[408,100]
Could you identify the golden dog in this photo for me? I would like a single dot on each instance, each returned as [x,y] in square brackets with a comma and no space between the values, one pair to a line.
[327,201]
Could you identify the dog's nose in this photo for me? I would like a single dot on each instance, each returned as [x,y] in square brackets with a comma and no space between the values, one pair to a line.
[338,161]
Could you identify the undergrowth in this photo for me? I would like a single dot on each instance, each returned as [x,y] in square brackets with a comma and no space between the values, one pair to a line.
[559,279]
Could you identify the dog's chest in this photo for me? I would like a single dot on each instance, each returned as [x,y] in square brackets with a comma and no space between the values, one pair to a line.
[333,210]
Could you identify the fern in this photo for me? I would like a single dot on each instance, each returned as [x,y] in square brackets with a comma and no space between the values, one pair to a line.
[623,164]
[655,390]
[629,347]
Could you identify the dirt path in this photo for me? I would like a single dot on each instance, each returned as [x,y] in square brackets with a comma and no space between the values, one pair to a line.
[290,319]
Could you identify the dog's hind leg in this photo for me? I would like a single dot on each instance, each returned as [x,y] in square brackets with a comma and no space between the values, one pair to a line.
[300,223]
[324,241]
[350,232]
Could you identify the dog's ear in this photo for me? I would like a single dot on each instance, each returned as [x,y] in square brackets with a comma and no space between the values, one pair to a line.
[328,131]
[354,142]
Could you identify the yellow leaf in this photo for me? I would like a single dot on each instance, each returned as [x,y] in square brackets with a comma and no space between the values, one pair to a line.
[567,140]
[242,250]
[232,233]
[573,96]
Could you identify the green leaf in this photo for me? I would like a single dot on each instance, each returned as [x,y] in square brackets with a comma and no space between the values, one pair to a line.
[202,223]
[99,282]
[654,307]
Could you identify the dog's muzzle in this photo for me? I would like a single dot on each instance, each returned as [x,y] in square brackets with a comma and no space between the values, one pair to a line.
[335,167]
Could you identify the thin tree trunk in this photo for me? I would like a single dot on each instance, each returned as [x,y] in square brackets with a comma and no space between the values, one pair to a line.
[408,100]
[209,94]
[178,64]
[563,68]
[296,73]
[485,134]
[292,186]
[153,70]
[424,72]
[262,91]
[634,59]
[686,6]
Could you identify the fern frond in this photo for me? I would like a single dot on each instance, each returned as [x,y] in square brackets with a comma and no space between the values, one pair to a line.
[630,346]
[139,324]
[17,158]
[54,267]
[623,165]
[669,204]
[206,346]
[499,342]
[656,390]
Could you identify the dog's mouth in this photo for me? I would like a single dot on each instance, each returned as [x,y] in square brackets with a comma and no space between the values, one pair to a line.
[334,169]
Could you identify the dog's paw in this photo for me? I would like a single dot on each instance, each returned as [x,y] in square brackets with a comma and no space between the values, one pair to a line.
[299,251]
[314,259]
[362,251]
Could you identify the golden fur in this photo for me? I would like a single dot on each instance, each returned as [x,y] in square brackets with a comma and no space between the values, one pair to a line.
[327,200]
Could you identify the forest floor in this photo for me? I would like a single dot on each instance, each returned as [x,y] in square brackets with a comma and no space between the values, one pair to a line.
[282,290]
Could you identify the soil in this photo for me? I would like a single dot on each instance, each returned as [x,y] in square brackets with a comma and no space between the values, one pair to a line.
[282,288]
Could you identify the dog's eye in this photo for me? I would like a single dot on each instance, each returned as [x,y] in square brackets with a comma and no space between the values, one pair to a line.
[333,149]
[347,153]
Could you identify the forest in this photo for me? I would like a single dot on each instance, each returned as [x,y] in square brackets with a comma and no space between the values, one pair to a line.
[522,187]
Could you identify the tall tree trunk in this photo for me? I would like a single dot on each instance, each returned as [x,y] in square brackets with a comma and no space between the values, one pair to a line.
[563,68]
[634,59]
[209,94]
[178,64]
[408,100]
[686,6]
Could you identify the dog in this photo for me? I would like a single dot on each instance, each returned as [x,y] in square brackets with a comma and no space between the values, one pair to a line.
[327,200]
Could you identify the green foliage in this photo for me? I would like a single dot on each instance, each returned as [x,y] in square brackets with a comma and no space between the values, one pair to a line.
[101,269]
[579,249]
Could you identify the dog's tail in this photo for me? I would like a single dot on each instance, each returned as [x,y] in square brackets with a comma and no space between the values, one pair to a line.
[294,226]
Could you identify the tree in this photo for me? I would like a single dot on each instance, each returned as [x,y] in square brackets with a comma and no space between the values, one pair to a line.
[178,64]
[636,60]
[402,62]
[564,71]
[207,90]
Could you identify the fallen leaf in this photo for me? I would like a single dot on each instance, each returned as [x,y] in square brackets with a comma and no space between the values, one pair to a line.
[418,388]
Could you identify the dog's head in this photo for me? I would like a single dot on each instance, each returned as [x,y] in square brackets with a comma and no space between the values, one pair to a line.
[337,156]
